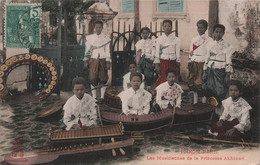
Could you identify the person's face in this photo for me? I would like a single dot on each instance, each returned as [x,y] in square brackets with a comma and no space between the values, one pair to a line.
[79,90]
[135,82]
[218,34]
[201,29]
[98,28]
[132,68]
[145,34]
[167,27]
[234,92]
[171,78]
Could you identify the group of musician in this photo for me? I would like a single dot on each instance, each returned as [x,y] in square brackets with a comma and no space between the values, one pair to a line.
[157,62]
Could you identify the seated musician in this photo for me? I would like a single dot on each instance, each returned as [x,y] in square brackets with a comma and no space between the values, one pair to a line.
[235,120]
[80,109]
[169,92]
[126,77]
[135,100]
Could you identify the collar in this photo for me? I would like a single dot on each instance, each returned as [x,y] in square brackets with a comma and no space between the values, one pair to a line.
[170,35]
[135,92]
[82,99]
[171,87]
[219,41]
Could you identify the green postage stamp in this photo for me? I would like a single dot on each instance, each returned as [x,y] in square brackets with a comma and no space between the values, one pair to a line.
[22,25]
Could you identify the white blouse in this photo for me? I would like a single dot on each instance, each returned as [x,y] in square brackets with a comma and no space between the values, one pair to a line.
[168,94]
[167,48]
[147,48]
[200,45]
[100,45]
[135,102]
[237,110]
[219,54]
[84,109]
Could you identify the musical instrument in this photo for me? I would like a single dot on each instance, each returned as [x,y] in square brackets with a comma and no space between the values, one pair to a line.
[51,110]
[92,135]
[51,154]
[46,66]
[142,123]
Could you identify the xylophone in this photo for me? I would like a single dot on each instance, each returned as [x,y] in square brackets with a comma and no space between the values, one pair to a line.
[136,123]
[92,135]
[187,114]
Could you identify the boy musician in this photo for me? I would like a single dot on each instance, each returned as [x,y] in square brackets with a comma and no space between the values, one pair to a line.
[98,58]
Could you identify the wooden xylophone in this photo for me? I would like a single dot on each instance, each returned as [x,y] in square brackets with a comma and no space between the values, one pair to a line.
[187,114]
[143,123]
[88,135]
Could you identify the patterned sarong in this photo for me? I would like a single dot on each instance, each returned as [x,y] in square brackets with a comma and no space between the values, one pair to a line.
[215,84]
[147,68]
[165,65]
[98,71]
[195,77]
[236,136]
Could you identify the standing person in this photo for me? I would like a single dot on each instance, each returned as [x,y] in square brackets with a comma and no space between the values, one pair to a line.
[198,51]
[126,77]
[218,66]
[235,120]
[98,58]
[145,56]
[135,100]
[167,52]
[80,109]
[169,92]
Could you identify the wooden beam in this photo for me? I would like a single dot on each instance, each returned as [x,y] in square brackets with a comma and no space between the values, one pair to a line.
[213,15]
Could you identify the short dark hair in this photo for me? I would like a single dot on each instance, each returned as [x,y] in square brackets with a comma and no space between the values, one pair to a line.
[167,20]
[170,71]
[136,74]
[219,26]
[132,62]
[79,80]
[203,22]
[236,83]
[145,28]
[98,22]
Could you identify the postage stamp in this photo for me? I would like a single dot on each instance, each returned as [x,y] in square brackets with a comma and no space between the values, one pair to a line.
[22,25]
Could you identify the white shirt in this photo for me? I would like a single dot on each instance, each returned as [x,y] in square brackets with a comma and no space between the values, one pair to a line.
[237,110]
[126,81]
[84,109]
[200,43]
[168,94]
[135,102]
[167,48]
[219,55]
[147,48]
[100,45]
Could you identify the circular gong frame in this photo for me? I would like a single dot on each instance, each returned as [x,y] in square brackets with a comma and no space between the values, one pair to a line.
[29,59]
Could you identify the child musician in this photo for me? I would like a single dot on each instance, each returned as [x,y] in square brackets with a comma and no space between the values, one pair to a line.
[80,109]
[167,52]
[198,51]
[235,119]
[135,100]
[169,92]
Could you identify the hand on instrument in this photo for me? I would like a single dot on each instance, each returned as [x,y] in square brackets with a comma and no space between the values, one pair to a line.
[76,127]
